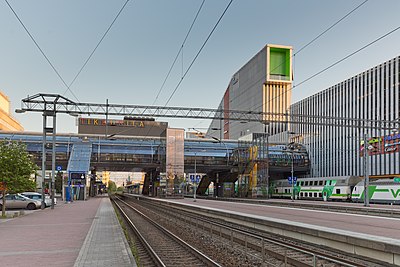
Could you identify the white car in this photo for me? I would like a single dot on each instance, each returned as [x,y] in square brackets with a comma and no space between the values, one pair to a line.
[38,196]
[18,201]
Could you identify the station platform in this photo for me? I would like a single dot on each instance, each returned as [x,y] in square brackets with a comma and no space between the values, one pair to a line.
[81,233]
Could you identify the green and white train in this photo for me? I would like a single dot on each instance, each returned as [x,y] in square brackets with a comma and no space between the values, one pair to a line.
[379,191]
[321,188]
[345,188]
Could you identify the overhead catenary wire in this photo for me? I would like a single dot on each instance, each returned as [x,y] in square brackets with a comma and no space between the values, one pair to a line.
[179,52]
[198,53]
[40,49]
[176,57]
[334,64]
[98,44]
[314,39]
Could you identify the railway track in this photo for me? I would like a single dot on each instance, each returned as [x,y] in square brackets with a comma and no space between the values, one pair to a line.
[156,246]
[264,249]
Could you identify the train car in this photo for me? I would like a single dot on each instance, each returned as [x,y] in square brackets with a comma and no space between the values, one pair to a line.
[379,191]
[321,188]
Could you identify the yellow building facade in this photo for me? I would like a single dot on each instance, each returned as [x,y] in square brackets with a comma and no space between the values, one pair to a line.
[7,123]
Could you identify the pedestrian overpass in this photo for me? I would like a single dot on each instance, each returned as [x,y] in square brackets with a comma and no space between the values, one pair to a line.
[220,162]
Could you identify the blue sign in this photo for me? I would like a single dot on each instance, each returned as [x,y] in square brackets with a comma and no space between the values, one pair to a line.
[191,177]
[197,178]
[59,168]
[290,179]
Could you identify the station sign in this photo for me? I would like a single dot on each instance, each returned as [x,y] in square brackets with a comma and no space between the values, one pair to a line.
[290,179]
[194,178]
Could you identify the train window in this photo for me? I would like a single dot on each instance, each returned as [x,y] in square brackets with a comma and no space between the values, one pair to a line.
[320,194]
[276,191]
[306,183]
[315,194]
[315,182]
[321,182]
[301,194]
[338,191]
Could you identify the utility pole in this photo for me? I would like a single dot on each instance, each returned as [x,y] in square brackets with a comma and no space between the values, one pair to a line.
[195,177]
[366,171]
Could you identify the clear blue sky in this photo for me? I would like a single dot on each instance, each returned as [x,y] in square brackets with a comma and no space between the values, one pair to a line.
[131,63]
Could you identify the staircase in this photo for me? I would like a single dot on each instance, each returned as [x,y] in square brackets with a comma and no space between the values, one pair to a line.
[79,161]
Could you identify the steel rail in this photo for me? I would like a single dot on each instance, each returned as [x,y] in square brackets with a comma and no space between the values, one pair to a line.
[153,255]
[197,253]
[250,233]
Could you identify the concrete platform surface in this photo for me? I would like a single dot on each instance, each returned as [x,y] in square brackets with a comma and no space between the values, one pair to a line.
[54,237]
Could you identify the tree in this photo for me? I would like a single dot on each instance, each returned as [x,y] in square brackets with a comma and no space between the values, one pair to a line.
[112,187]
[16,168]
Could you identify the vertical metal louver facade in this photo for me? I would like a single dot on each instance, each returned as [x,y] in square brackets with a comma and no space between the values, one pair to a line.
[335,150]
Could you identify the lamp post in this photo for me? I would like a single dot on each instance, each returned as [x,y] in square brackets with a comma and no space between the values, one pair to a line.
[266,137]
[226,147]
[366,172]
[292,171]
[291,147]
[195,177]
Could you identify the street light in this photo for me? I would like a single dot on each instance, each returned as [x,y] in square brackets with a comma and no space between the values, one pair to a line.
[292,170]
[291,146]
[267,152]
[226,147]
[195,177]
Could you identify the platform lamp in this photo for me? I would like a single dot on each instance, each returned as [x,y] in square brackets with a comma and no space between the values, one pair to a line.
[291,146]
[226,147]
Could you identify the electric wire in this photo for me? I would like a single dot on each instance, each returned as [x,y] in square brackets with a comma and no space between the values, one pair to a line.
[313,40]
[198,53]
[98,44]
[180,50]
[334,64]
[40,49]
[176,57]
[329,28]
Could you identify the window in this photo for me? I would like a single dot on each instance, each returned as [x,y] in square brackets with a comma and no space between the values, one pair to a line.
[321,182]
[315,194]
[338,191]
[320,194]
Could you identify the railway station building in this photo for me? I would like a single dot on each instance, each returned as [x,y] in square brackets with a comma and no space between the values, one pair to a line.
[7,122]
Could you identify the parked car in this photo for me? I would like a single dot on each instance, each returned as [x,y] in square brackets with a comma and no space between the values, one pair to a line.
[38,196]
[18,201]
